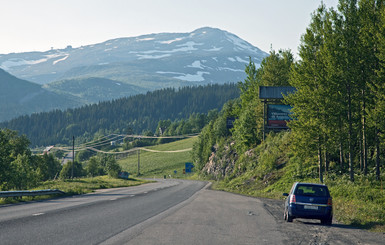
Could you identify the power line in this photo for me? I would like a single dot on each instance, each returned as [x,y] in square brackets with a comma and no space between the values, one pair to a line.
[95,143]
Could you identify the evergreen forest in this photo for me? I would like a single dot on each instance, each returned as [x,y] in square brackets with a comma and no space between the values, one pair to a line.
[131,115]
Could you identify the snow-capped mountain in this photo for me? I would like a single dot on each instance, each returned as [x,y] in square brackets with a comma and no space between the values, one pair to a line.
[206,55]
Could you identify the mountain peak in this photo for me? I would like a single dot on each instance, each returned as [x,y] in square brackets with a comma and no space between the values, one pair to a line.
[152,61]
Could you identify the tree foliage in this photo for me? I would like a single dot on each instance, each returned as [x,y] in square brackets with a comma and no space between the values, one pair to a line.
[338,105]
[135,114]
[338,80]
[247,110]
[19,169]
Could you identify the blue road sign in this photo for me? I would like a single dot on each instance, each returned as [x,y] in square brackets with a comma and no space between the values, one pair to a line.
[188,167]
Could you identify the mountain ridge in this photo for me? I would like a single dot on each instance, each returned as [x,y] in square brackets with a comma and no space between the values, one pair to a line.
[19,97]
[124,67]
[206,55]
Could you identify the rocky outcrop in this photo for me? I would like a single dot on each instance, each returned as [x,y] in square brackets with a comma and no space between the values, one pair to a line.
[221,162]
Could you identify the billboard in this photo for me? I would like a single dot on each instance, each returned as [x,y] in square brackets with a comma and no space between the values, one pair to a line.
[277,115]
[230,122]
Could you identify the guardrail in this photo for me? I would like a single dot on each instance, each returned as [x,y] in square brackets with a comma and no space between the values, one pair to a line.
[30,193]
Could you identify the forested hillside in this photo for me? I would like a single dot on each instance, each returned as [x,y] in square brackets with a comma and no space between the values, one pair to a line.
[337,134]
[20,97]
[127,115]
[338,105]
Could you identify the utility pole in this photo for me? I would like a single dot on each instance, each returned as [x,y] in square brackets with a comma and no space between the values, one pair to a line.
[138,162]
[73,156]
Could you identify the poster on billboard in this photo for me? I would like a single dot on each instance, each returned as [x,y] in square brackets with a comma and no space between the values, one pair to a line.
[277,115]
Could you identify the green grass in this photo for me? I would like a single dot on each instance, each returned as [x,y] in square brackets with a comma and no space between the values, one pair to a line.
[359,204]
[152,164]
[78,186]
[158,164]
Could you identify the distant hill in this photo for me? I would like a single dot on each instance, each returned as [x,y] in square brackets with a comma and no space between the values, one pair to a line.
[153,61]
[94,89]
[73,77]
[139,113]
[19,97]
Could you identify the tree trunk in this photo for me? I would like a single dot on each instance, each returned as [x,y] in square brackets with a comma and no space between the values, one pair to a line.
[364,147]
[326,159]
[350,133]
[378,155]
[320,161]
[361,157]
[341,157]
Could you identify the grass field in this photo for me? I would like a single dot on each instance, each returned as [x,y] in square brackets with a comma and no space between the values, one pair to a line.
[77,186]
[158,164]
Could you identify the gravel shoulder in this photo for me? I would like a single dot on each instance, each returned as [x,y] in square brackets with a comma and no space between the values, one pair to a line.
[304,231]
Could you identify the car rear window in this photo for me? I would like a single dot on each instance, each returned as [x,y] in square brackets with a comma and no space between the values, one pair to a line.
[311,190]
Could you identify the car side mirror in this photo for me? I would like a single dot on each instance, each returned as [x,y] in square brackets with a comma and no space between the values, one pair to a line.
[285,194]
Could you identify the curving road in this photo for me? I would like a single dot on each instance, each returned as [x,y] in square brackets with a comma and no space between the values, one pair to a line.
[166,212]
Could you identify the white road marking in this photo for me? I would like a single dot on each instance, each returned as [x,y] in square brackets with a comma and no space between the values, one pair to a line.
[37,214]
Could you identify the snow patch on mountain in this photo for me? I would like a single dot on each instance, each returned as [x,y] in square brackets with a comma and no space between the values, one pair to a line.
[241,60]
[145,39]
[171,41]
[196,64]
[214,49]
[62,59]
[198,77]
[230,69]
[170,72]
[146,56]
[15,62]
[239,43]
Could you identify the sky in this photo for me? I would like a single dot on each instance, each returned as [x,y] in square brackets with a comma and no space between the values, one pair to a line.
[39,25]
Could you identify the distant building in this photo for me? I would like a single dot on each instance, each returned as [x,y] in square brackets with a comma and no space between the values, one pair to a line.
[47,149]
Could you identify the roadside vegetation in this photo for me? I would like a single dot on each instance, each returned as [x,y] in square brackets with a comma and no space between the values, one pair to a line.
[90,171]
[359,203]
[337,135]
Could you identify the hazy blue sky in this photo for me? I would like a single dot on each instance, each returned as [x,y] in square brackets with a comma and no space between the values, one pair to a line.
[38,25]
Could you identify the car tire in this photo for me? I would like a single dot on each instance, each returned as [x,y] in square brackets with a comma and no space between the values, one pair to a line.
[288,217]
[326,221]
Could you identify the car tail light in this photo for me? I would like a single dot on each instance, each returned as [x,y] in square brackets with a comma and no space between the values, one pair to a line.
[330,201]
[292,199]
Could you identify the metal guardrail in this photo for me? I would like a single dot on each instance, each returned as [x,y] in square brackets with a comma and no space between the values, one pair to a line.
[30,193]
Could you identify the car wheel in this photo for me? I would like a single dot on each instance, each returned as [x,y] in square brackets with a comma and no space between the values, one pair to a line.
[288,217]
[326,221]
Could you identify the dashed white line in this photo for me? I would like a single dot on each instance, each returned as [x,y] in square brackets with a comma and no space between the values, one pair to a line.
[37,214]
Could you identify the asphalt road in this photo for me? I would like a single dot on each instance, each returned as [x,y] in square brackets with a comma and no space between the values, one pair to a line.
[167,212]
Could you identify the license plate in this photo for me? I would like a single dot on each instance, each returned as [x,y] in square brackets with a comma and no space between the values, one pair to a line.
[311,207]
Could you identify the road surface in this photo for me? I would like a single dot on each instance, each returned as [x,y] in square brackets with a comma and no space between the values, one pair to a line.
[166,212]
